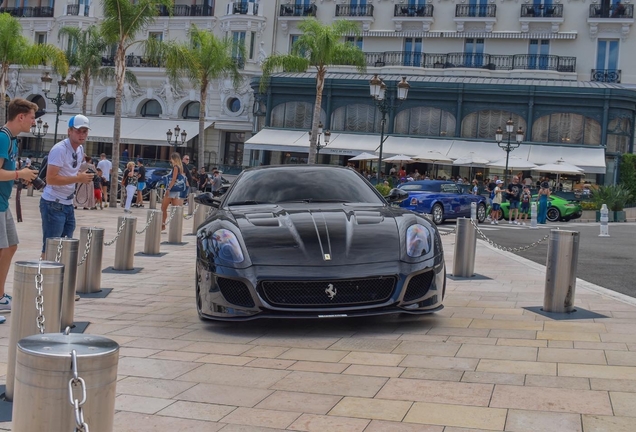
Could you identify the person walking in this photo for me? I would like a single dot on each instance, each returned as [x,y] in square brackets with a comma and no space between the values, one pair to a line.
[526,197]
[544,195]
[141,183]
[98,180]
[176,186]
[129,182]
[186,172]
[514,195]
[496,202]
[107,168]
[203,180]
[217,183]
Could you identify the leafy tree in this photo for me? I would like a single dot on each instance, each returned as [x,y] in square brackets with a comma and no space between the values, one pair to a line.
[319,46]
[15,49]
[628,173]
[123,20]
[202,59]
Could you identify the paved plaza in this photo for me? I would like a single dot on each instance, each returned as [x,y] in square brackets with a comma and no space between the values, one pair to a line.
[484,363]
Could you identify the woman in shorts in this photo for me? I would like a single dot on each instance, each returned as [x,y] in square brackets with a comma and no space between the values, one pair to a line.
[172,197]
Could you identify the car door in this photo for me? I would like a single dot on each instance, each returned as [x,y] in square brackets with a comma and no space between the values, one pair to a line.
[452,199]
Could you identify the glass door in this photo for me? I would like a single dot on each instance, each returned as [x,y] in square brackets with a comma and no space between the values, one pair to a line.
[413,52]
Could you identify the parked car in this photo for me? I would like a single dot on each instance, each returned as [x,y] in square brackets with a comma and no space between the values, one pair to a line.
[314,241]
[560,209]
[442,200]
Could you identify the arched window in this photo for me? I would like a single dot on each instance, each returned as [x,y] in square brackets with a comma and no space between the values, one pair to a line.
[483,124]
[618,135]
[191,110]
[356,118]
[567,128]
[294,115]
[152,108]
[425,121]
[108,107]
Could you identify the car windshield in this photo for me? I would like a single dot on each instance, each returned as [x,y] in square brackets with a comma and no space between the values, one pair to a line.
[309,184]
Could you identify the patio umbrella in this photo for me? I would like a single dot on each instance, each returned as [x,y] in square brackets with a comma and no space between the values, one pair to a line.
[559,167]
[471,160]
[433,157]
[399,158]
[364,157]
[513,163]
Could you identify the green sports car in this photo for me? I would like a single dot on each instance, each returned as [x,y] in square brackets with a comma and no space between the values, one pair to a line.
[559,209]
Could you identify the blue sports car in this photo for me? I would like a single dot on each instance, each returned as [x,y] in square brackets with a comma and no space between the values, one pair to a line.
[442,200]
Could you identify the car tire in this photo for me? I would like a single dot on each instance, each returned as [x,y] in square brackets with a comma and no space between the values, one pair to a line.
[437,213]
[553,214]
[481,213]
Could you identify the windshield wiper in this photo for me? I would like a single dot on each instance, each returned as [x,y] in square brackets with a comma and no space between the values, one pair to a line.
[246,202]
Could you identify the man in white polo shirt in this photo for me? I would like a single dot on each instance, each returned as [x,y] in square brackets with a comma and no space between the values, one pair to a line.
[56,204]
[107,168]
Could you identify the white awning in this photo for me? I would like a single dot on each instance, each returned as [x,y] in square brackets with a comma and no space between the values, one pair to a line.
[144,131]
[591,159]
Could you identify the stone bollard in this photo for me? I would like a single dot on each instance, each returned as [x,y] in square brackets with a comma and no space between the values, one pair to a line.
[152,242]
[125,247]
[533,215]
[153,199]
[191,204]
[465,246]
[604,221]
[89,274]
[560,272]
[68,249]
[175,229]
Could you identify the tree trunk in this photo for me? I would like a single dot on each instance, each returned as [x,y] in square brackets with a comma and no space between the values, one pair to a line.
[202,104]
[120,74]
[320,84]
[86,82]
[3,93]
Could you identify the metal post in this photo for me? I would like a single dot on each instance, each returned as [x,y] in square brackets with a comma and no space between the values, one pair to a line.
[190,204]
[533,215]
[44,371]
[473,211]
[23,311]
[125,247]
[175,229]
[199,217]
[153,233]
[465,245]
[89,274]
[604,221]
[30,190]
[153,198]
[68,257]
[560,275]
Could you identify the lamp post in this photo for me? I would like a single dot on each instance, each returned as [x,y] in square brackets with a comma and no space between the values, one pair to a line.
[327,138]
[65,92]
[378,93]
[176,134]
[509,146]
[38,131]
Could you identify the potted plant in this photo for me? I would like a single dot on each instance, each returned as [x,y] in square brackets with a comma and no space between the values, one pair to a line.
[616,197]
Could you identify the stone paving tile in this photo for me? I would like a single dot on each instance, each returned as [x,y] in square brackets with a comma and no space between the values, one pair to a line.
[365,345]
[341,385]
[269,363]
[306,366]
[498,352]
[197,411]
[161,388]
[559,400]
[366,408]
[569,336]
[624,404]
[135,422]
[224,395]
[234,375]
[611,346]
[318,423]
[151,368]
[372,359]
[306,354]
[558,382]
[433,374]
[261,417]
[613,385]
[434,362]
[437,391]
[597,371]
[388,426]
[620,358]
[299,402]
[541,421]
[264,351]
[607,424]
[513,334]
[141,404]
[177,356]
[457,415]
[493,378]
[224,359]
[376,371]
[136,352]
[506,325]
[560,344]
[424,337]
[522,342]
[153,343]
[559,355]
[520,367]
[472,340]
[446,331]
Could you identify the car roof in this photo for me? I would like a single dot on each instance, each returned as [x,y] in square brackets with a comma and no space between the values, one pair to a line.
[430,182]
[301,167]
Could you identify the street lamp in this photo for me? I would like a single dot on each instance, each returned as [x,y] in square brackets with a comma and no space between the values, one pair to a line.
[378,93]
[38,131]
[169,134]
[509,146]
[65,92]
[327,138]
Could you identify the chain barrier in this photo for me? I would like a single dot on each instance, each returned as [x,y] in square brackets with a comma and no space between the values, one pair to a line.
[77,381]
[152,215]
[58,253]
[447,232]
[87,247]
[39,299]
[504,248]
[119,230]
[172,213]
[196,208]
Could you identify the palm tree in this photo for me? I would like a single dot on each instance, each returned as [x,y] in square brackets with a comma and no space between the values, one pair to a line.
[319,46]
[84,52]
[15,49]
[123,20]
[202,59]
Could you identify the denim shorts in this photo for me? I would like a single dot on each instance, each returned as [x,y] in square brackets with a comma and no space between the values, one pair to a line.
[525,207]
[514,204]
[496,206]
[58,220]
[141,186]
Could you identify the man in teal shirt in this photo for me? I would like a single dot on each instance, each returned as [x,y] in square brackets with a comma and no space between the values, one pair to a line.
[20,117]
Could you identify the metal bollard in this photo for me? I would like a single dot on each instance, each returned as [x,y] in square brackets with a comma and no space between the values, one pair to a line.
[533,215]
[153,198]
[176,226]
[199,217]
[24,313]
[473,211]
[604,221]
[190,204]
[125,247]
[68,257]
[30,190]
[89,274]
[44,379]
[560,275]
[465,245]
[153,233]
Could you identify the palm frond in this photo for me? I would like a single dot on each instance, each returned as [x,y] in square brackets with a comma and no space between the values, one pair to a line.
[286,62]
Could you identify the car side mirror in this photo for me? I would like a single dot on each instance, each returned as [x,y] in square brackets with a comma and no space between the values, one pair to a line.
[207,199]
[396,195]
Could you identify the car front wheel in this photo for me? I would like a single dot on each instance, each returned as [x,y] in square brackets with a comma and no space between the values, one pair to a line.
[481,213]
[438,214]
[553,214]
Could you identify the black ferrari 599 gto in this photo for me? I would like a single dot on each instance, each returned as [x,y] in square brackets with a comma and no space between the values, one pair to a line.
[314,241]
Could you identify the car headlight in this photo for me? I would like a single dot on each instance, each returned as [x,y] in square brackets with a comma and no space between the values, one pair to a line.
[227,246]
[418,241]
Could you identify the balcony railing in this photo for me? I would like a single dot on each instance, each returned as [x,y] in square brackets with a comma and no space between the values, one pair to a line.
[617,10]
[29,12]
[298,10]
[187,10]
[413,11]
[243,8]
[468,60]
[542,11]
[471,11]
[354,11]
[606,75]
[74,10]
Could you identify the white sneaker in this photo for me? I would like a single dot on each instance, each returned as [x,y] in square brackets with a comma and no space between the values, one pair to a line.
[509,222]
[492,222]
[523,223]
[5,303]
[496,222]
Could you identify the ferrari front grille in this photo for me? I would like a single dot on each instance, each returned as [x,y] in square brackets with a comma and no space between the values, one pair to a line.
[418,286]
[235,292]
